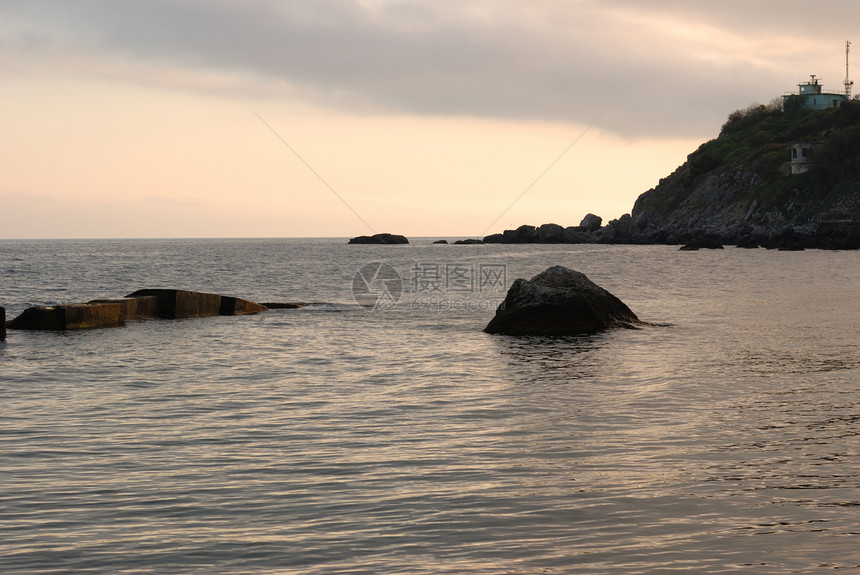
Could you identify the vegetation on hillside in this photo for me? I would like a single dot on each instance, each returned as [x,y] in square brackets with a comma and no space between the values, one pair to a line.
[748,162]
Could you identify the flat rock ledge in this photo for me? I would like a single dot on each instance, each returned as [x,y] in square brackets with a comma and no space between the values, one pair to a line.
[559,301]
[142,304]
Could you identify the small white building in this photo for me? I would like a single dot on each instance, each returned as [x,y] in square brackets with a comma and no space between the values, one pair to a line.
[800,158]
[813,96]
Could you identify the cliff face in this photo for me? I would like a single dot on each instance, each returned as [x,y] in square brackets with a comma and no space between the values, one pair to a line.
[739,188]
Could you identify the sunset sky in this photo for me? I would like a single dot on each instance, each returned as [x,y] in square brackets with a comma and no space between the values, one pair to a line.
[334,118]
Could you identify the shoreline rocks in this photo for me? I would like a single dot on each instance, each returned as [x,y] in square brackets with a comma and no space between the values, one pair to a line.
[559,301]
[641,230]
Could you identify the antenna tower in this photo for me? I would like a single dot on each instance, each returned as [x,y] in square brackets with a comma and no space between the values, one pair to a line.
[848,82]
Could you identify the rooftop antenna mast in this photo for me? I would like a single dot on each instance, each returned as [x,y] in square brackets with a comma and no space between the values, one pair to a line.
[848,82]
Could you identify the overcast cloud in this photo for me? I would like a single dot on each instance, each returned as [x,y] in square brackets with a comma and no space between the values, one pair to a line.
[671,68]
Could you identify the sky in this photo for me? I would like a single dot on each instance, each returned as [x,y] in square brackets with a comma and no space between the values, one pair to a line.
[337,118]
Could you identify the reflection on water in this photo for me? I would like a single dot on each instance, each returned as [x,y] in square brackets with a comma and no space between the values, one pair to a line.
[532,359]
[305,441]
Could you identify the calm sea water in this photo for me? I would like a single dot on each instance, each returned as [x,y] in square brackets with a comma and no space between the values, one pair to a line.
[336,439]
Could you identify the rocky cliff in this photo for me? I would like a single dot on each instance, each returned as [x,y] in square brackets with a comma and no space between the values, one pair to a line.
[739,188]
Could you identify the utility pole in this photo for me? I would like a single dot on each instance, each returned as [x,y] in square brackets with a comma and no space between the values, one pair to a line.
[848,82]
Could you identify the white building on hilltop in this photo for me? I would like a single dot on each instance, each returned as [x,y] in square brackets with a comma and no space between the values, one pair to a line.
[814,98]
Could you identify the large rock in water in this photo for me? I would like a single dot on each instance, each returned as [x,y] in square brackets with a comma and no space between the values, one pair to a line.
[559,301]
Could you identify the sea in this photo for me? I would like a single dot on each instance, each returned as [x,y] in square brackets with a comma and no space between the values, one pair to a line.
[378,429]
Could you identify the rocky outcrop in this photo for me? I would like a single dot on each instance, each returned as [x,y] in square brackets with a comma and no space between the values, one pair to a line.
[380,239]
[559,301]
[591,223]
[142,304]
[548,234]
[739,189]
[2,323]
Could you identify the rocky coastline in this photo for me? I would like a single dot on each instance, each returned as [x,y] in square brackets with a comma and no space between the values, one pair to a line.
[641,231]
[774,178]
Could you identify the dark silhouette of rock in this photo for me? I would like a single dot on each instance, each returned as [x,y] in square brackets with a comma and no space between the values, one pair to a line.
[591,222]
[624,227]
[469,241]
[702,244]
[495,239]
[642,221]
[380,239]
[524,234]
[547,234]
[559,301]
[441,242]
[576,235]
[147,303]
[550,233]
[788,241]
[747,244]
[284,305]
[2,323]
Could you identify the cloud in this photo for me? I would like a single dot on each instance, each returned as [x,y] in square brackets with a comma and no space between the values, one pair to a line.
[673,68]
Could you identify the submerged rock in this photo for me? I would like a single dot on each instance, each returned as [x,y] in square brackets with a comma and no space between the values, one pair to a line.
[559,301]
[142,304]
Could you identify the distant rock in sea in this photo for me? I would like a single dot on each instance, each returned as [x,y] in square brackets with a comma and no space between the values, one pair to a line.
[559,301]
[380,239]
[469,241]
[441,242]
[588,231]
